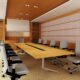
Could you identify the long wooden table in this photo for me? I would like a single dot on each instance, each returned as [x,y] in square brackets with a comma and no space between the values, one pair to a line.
[39,51]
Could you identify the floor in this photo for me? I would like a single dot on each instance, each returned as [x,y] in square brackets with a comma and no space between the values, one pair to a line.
[36,72]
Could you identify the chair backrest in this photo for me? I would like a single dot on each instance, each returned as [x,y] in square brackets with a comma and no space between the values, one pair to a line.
[77,48]
[63,44]
[4,58]
[45,41]
[57,44]
[71,46]
[40,40]
[52,42]
[1,46]
[48,42]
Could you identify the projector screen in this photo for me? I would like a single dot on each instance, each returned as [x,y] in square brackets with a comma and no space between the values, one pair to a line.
[17,25]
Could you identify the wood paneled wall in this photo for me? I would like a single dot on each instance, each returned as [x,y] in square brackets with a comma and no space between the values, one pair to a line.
[16,39]
[35,31]
[2,30]
[66,28]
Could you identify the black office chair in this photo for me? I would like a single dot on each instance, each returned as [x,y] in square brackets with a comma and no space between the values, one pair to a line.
[17,68]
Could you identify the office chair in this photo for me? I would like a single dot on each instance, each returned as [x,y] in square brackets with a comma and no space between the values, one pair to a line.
[63,44]
[71,46]
[48,42]
[9,51]
[40,41]
[59,60]
[17,69]
[8,47]
[75,59]
[52,43]
[45,42]
[53,60]
[57,45]
[11,55]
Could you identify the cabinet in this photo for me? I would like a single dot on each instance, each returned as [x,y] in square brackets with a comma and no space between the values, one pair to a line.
[35,31]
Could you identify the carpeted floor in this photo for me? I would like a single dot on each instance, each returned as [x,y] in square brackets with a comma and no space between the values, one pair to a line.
[37,73]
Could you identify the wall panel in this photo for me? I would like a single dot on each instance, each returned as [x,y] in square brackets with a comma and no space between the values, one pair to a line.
[67,28]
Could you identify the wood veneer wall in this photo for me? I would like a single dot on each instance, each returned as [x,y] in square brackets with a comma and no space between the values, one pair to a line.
[35,31]
[65,28]
[2,30]
[16,39]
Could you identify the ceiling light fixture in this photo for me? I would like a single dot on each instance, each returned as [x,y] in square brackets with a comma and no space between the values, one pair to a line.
[35,6]
[27,5]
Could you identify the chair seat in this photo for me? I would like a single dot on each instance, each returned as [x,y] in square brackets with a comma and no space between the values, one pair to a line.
[21,69]
[10,51]
[74,59]
[15,58]
[11,54]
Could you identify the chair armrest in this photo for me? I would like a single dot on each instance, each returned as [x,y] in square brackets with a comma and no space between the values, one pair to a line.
[11,55]
[64,48]
[71,50]
[53,46]
[14,62]
[17,61]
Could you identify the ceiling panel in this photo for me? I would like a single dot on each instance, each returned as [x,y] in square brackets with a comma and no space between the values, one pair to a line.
[69,7]
[33,8]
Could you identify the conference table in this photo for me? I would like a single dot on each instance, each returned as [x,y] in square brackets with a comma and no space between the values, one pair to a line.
[39,51]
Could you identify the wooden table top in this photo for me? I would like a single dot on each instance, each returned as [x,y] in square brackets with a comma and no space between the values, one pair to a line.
[39,51]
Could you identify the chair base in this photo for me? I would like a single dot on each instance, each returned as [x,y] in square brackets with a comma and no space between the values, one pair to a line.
[13,75]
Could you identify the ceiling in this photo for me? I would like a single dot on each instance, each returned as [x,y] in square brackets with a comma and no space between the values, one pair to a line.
[3,4]
[68,7]
[30,9]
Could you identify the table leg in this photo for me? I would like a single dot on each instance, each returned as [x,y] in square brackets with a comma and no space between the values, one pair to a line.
[45,68]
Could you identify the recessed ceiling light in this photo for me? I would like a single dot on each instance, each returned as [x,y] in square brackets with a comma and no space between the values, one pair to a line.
[27,5]
[35,6]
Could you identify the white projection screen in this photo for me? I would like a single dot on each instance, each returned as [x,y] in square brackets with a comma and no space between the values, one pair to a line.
[17,27]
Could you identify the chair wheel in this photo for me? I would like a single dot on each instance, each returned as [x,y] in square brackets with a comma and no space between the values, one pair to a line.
[66,63]
[69,68]
[3,75]
[70,72]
